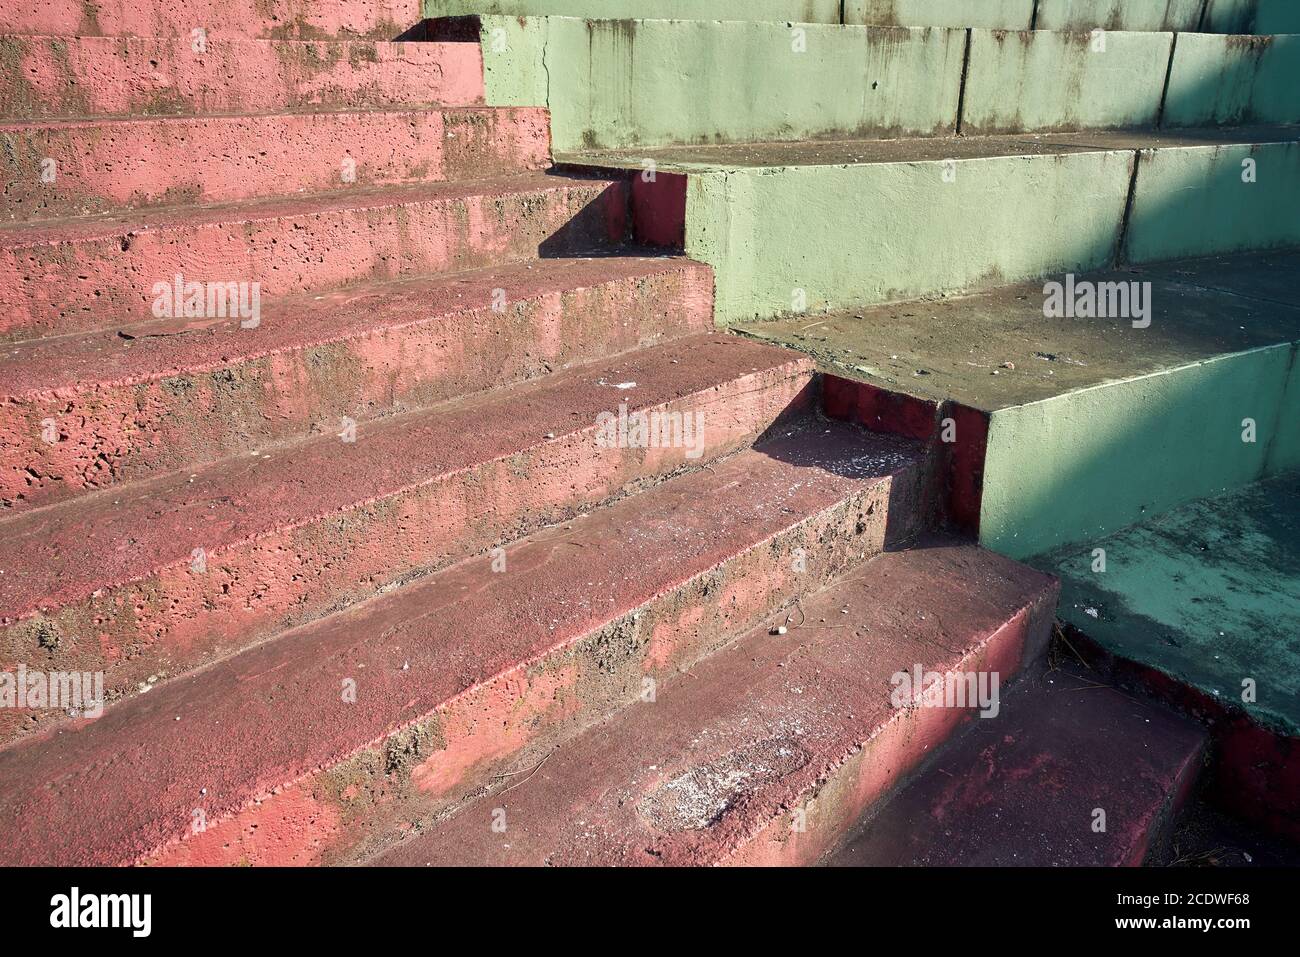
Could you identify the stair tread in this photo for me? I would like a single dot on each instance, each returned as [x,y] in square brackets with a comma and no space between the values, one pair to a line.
[1021,789]
[1199,309]
[124,533]
[739,741]
[157,76]
[15,235]
[119,787]
[158,349]
[854,152]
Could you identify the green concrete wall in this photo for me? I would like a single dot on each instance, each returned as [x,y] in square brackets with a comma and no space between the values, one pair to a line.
[1228,81]
[1079,466]
[620,83]
[797,11]
[1119,14]
[1252,16]
[1208,594]
[1191,201]
[850,235]
[991,14]
[1043,81]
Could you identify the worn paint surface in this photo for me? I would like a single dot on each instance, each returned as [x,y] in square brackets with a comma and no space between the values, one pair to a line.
[1180,15]
[993,14]
[1234,81]
[73,277]
[775,724]
[1094,424]
[797,11]
[770,233]
[50,76]
[1230,212]
[269,19]
[616,83]
[1041,81]
[1019,790]
[1208,594]
[722,538]
[107,164]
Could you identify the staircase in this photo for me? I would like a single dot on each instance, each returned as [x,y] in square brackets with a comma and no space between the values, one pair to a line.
[442,451]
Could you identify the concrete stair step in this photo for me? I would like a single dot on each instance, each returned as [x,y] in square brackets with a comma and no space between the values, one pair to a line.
[105,164]
[765,752]
[1201,606]
[269,19]
[1223,16]
[782,223]
[75,275]
[457,677]
[782,81]
[1070,427]
[111,582]
[129,76]
[97,409]
[1025,788]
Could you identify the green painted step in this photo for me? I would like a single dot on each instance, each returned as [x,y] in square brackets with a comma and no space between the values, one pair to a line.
[645,83]
[1208,594]
[1220,16]
[794,228]
[1094,424]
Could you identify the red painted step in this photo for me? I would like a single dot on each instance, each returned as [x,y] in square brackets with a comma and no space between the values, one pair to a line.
[770,749]
[311,528]
[66,277]
[94,76]
[308,19]
[472,668]
[104,164]
[1024,789]
[89,411]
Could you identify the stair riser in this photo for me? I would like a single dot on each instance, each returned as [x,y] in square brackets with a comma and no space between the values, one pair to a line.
[176,620]
[57,287]
[104,76]
[513,720]
[115,433]
[104,166]
[833,801]
[376,19]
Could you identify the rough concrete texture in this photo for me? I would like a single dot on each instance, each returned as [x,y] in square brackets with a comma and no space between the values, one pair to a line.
[1022,789]
[767,750]
[1092,424]
[459,676]
[1234,80]
[1179,15]
[269,19]
[1252,16]
[1045,81]
[1207,594]
[795,11]
[990,14]
[784,238]
[1246,197]
[787,226]
[170,394]
[76,275]
[51,76]
[308,529]
[664,82]
[108,164]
